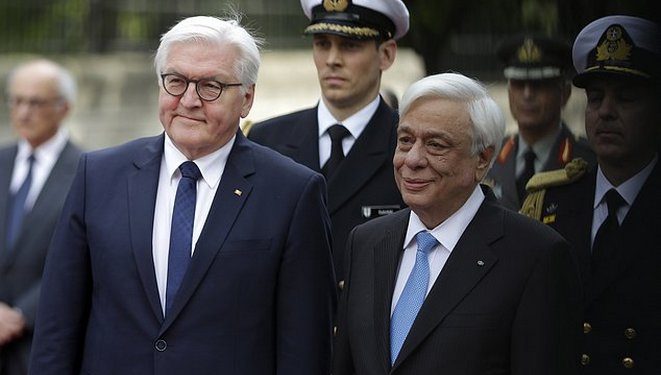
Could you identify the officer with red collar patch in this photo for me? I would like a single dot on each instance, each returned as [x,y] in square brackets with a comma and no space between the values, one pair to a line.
[537,69]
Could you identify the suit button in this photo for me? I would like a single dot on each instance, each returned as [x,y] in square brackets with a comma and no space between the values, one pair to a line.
[627,362]
[587,327]
[334,330]
[585,359]
[630,333]
[341,284]
[161,345]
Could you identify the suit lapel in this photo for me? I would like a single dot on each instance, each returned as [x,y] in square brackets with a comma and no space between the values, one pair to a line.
[142,187]
[372,149]
[459,275]
[224,210]
[7,157]
[303,144]
[386,255]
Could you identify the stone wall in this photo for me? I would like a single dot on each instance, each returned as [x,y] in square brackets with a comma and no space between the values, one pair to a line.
[117,99]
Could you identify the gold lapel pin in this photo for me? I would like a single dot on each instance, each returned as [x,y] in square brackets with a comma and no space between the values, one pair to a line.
[238,192]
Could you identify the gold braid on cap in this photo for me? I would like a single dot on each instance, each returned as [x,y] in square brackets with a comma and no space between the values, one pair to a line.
[364,32]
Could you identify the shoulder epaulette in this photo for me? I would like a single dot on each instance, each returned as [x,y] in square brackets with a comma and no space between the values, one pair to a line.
[537,185]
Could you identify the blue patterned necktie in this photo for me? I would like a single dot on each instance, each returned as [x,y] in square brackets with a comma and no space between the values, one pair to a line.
[412,296]
[17,207]
[181,232]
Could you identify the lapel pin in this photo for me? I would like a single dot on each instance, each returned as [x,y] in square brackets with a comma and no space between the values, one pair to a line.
[238,192]
[480,263]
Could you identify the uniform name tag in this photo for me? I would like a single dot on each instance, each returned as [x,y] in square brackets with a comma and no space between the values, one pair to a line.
[370,212]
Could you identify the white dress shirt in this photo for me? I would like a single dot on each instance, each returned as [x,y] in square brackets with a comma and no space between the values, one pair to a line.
[628,190]
[45,156]
[447,234]
[355,124]
[212,167]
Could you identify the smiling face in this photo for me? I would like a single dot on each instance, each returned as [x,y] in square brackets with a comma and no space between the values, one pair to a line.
[622,120]
[349,70]
[435,169]
[198,127]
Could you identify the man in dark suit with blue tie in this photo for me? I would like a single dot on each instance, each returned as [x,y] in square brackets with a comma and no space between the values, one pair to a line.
[35,175]
[350,135]
[457,284]
[196,251]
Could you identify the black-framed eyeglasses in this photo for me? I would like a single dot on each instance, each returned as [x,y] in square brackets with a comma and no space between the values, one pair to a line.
[207,89]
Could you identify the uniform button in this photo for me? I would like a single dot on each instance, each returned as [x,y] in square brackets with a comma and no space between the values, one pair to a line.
[161,345]
[585,359]
[587,327]
[630,333]
[341,284]
[627,362]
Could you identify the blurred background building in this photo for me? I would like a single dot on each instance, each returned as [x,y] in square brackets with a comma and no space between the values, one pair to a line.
[109,46]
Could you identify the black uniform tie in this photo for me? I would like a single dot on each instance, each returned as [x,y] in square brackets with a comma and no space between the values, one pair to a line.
[528,171]
[605,239]
[337,133]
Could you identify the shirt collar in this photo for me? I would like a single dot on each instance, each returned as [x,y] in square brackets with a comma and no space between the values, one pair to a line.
[48,150]
[542,147]
[355,123]
[450,231]
[211,166]
[629,189]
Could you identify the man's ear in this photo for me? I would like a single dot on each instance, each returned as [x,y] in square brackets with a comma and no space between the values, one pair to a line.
[483,162]
[248,99]
[387,52]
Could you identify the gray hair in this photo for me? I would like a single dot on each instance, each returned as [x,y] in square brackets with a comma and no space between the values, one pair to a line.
[66,84]
[216,31]
[487,120]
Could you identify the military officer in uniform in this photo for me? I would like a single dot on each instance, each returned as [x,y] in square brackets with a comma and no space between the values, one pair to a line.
[350,135]
[537,69]
[611,213]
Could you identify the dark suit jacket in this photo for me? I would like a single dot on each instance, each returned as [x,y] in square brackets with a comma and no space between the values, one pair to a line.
[502,175]
[21,269]
[362,188]
[504,303]
[623,299]
[257,297]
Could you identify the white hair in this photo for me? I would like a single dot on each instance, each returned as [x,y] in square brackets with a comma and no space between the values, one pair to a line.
[219,32]
[487,120]
[66,84]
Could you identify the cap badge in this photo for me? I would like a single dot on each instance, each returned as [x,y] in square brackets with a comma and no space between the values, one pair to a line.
[529,52]
[335,5]
[614,46]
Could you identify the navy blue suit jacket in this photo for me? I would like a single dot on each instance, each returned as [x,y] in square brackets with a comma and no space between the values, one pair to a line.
[258,295]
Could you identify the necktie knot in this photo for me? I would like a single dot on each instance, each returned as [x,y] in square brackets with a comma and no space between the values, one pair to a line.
[337,133]
[190,170]
[613,201]
[426,242]
[529,156]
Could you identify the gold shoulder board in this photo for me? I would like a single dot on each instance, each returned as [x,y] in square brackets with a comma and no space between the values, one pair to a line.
[537,185]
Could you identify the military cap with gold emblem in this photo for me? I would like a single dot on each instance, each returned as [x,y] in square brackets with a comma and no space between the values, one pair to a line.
[618,45]
[357,19]
[534,57]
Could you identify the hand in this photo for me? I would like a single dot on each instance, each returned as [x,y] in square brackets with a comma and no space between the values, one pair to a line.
[12,324]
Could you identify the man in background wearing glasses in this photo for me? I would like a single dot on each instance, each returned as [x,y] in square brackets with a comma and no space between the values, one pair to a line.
[35,176]
[195,251]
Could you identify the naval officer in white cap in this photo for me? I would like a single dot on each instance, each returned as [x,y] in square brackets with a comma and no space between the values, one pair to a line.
[350,135]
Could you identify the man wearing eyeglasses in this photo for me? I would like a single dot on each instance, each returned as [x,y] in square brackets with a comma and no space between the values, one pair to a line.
[350,135]
[195,251]
[35,175]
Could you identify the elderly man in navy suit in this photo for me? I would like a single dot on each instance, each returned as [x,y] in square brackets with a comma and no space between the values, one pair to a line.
[35,176]
[195,251]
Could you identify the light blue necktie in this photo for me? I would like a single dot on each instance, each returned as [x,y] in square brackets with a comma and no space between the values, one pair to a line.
[412,296]
[181,232]
[17,207]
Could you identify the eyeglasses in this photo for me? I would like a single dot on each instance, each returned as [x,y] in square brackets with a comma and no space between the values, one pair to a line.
[207,89]
[37,103]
